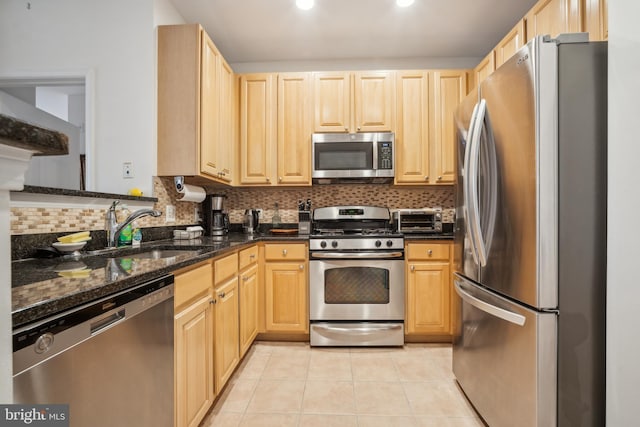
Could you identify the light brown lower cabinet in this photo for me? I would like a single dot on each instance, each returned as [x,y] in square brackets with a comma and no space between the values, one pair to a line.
[226,321]
[193,347]
[286,288]
[428,297]
[248,284]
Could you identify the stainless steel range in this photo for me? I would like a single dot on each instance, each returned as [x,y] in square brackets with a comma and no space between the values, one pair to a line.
[356,278]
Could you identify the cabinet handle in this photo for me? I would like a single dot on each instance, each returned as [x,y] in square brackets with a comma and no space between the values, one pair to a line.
[252,256]
[430,252]
[213,165]
[280,179]
[284,252]
[426,178]
[412,268]
[439,178]
[346,128]
[358,127]
[245,278]
[268,179]
[221,295]
[301,267]
[212,301]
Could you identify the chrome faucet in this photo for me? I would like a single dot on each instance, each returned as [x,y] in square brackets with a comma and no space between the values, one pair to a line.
[114,229]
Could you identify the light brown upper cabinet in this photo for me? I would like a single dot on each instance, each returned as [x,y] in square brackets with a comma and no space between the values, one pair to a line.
[449,89]
[295,113]
[354,101]
[257,128]
[510,43]
[414,120]
[596,19]
[484,68]
[275,129]
[553,17]
[195,98]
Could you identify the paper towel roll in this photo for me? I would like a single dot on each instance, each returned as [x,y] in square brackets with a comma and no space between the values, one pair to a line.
[191,193]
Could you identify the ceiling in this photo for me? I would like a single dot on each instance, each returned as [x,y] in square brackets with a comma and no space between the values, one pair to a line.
[259,31]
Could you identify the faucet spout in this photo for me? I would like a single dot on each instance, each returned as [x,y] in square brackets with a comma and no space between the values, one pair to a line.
[114,229]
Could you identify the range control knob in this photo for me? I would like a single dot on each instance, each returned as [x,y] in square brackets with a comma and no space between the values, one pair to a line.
[389,243]
[334,244]
[378,243]
[323,244]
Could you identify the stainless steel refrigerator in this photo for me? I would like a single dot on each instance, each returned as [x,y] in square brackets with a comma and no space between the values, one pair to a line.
[530,247]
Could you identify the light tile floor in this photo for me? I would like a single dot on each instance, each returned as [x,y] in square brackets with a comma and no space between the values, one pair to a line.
[292,384]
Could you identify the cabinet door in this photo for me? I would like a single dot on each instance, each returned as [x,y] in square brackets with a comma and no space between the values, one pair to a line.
[226,332]
[286,297]
[449,89]
[248,308]
[413,127]
[294,129]
[194,391]
[510,44]
[332,99]
[226,139]
[428,298]
[209,108]
[595,19]
[374,102]
[257,129]
[484,68]
[553,17]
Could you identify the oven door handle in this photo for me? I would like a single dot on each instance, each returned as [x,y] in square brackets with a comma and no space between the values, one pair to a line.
[357,255]
[358,330]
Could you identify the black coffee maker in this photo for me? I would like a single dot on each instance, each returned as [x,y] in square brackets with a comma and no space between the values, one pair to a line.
[216,222]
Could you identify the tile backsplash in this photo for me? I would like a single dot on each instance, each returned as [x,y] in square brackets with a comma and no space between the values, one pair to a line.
[30,220]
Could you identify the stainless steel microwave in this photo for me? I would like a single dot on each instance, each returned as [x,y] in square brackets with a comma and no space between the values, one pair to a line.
[353,157]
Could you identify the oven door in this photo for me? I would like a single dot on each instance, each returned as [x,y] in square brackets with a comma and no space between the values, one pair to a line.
[356,289]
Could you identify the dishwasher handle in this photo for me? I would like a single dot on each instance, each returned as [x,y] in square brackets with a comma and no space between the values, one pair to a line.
[112,319]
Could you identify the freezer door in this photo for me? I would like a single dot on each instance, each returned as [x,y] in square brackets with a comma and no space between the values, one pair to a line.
[504,358]
[517,202]
[464,257]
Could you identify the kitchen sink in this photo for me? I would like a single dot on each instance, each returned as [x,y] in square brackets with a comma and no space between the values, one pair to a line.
[161,253]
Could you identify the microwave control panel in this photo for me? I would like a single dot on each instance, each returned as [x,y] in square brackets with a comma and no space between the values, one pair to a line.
[385,155]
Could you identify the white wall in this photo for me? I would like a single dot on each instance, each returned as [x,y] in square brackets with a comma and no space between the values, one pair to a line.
[623,284]
[48,171]
[116,40]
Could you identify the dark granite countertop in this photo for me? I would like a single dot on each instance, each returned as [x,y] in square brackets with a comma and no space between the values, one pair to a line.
[81,193]
[44,287]
[419,237]
[43,142]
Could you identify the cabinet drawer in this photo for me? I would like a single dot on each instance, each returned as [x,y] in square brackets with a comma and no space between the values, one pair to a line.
[248,256]
[285,251]
[428,251]
[192,284]
[224,268]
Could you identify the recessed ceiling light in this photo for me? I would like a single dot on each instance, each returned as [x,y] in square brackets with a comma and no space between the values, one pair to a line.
[304,4]
[404,3]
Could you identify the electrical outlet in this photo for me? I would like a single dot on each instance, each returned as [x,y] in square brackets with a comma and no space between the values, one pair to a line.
[170,213]
[127,170]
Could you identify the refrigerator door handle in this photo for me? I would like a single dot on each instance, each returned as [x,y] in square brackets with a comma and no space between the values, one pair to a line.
[501,313]
[466,184]
[473,175]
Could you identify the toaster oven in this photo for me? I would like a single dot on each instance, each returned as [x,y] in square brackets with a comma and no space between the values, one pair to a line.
[418,221]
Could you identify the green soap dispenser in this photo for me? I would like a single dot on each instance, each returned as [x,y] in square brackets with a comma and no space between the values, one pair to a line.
[125,236]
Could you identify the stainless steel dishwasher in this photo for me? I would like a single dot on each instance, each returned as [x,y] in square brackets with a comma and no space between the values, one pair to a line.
[111,360]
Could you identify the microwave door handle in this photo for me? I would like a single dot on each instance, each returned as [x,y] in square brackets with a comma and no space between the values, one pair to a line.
[491,309]
[474,208]
[374,165]
[466,185]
